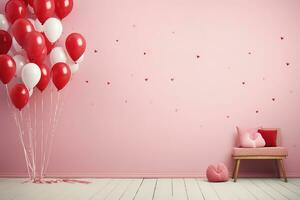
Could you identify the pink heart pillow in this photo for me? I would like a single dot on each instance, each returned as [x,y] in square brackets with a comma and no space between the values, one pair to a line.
[250,138]
[217,173]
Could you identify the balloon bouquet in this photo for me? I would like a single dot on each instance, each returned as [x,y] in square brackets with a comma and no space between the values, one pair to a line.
[28,47]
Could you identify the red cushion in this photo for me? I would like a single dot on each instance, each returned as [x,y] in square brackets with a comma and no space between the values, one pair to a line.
[270,137]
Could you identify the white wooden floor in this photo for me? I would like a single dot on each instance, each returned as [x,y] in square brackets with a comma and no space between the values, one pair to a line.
[148,189]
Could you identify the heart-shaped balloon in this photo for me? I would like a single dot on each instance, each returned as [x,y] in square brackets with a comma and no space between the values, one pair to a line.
[31,75]
[5,42]
[15,9]
[20,30]
[75,45]
[63,8]
[7,68]
[19,96]
[53,29]
[61,75]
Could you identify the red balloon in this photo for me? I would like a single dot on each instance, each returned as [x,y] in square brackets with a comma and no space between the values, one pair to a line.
[75,45]
[30,2]
[49,45]
[15,9]
[25,2]
[20,29]
[7,68]
[45,77]
[61,74]
[5,42]
[43,9]
[63,8]
[19,96]
[39,59]
[35,47]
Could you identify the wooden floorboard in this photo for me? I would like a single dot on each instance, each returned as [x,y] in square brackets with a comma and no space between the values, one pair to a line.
[147,190]
[153,189]
[179,190]
[193,190]
[283,190]
[132,190]
[256,191]
[163,189]
[207,190]
[276,195]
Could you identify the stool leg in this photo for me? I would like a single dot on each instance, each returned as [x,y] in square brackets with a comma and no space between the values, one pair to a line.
[236,170]
[283,169]
[279,168]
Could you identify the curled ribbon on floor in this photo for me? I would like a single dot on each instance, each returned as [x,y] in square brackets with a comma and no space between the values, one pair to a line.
[58,180]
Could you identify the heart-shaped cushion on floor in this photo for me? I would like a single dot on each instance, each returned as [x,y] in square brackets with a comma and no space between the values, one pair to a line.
[218,173]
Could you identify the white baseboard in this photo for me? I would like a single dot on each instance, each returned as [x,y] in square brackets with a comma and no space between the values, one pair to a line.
[138,174]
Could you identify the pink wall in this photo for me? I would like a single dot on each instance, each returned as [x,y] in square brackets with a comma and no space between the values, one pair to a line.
[164,127]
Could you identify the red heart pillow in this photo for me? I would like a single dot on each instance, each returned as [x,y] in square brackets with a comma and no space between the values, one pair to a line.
[270,136]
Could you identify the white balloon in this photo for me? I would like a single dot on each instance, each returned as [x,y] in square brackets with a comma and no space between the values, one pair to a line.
[38,25]
[58,54]
[53,29]
[16,45]
[3,23]
[31,75]
[30,92]
[10,53]
[80,59]
[74,67]
[20,62]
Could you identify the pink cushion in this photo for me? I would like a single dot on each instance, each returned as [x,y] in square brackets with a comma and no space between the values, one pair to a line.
[250,138]
[264,151]
[217,173]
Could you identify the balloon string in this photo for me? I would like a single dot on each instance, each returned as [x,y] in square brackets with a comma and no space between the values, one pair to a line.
[42,136]
[8,101]
[17,120]
[23,134]
[26,136]
[31,141]
[61,104]
[49,129]
[56,118]
[35,129]
[52,131]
